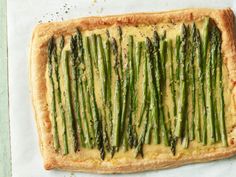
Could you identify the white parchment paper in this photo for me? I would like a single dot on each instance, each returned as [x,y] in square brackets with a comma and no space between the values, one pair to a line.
[23,15]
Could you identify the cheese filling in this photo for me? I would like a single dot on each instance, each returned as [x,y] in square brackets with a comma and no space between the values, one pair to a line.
[156,133]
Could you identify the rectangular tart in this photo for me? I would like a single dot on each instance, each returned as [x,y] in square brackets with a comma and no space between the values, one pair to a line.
[135,92]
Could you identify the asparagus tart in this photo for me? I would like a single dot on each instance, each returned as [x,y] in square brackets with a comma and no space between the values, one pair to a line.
[135,92]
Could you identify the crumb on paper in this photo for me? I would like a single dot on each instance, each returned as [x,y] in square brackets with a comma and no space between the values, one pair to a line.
[72,174]
[99,11]
[58,15]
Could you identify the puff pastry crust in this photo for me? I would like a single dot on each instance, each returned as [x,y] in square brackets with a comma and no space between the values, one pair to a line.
[90,162]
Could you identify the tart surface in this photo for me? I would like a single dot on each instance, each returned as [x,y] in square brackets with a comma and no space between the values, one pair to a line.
[138,25]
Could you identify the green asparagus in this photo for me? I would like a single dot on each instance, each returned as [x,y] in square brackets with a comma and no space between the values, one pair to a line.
[201,86]
[193,85]
[109,85]
[209,101]
[51,49]
[74,64]
[144,89]
[221,114]
[117,100]
[177,47]
[160,74]
[125,98]
[71,121]
[138,54]
[172,76]
[205,41]
[120,34]
[153,90]
[57,61]
[213,54]
[182,100]
[198,73]
[84,94]
[102,68]
[131,92]
[139,148]
[96,119]
[94,49]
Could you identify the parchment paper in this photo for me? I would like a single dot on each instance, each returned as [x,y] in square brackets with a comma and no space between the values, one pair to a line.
[23,15]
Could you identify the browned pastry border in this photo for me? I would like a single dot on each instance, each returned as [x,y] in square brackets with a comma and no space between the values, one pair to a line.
[224,19]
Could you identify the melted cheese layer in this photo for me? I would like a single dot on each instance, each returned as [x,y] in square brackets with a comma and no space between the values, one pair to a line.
[150,151]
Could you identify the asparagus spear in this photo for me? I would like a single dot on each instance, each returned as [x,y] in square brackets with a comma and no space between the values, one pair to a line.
[204,48]
[182,100]
[89,65]
[96,119]
[185,142]
[221,91]
[130,130]
[106,139]
[94,49]
[51,49]
[84,115]
[144,89]
[138,54]
[149,131]
[153,91]
[205,41]
[172,76]
[102,68]
[209,69]
[157,57]
[149,126]
[213,53]
[83,111]
[132,70]
[198,122]
[83,87]
[196,45]
[188,60]
[109,69]
[60,48]
[57,60]
[71,121]
[163,60]
[77,48]
[117,100]
[213,44]
[186,129]
[177,47]
[108,61]
[80,45]
[108,85]
[133,76]
[201,93]
[135,135]
[172,139]
[125,139]
[193,89]
[120,34]
[74,64]
[160,72]
[139,147]
[125,103]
